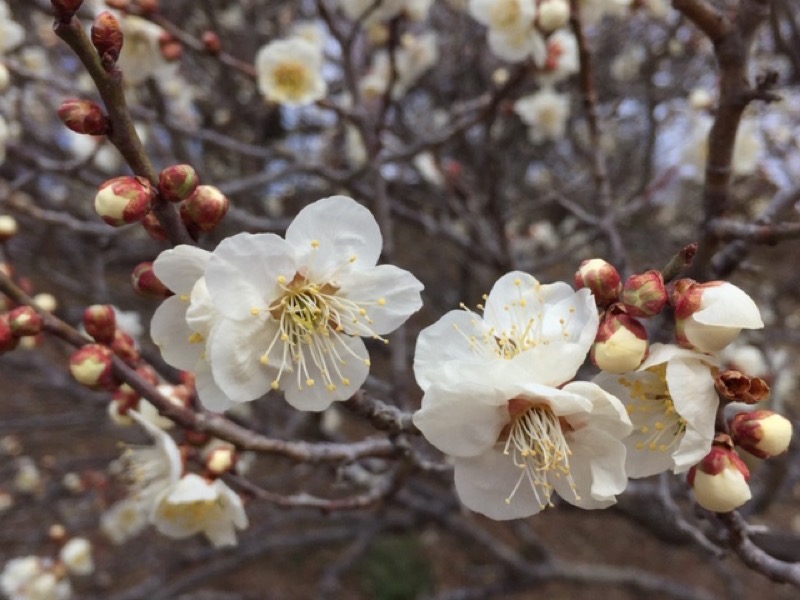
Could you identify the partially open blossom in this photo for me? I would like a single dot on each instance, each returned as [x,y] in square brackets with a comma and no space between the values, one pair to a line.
[290,72]
[762,433]
[76,555]
[124,200]
[205,207]
[601,278]
[107,37]
[495,400]
[152,469]
[621,344]
[92,365]
[145,282]
[720,481]
[709,316]
[141,57]
[24,320]
[553,14]
[176,183]
[672,403]
[644,295]
[100,322]
[84,116]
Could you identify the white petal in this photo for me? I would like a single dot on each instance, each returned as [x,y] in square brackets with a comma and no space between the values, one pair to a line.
[180,267]
[208,392]
[597,466]
[462,420]
[518,297]
[233,504]
[728,306]
[551,364]
[572,319]
[661,353]
[234,350]
[608,413]
[389,295]
[693,447]
[171,334]
[484,482]
[243,272]
[691,386]
[645,462]
[192,488]
[334,234]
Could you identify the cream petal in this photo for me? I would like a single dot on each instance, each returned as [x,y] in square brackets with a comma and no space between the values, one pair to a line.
[608,413]
[208,392]
[728,306]
[517,297]
[550,365]
[597,466]
[572,319]
[169,331]
[691,386]
[234,350]
[180,267]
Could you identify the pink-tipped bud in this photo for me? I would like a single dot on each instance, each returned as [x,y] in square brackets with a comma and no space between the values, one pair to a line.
[720,480]
[100,322]
[153,227]
[8,227]
[178,182]
[205,208]
[84,116]
[762,433]
[211,42]
[709,316]
[602,278]
[24,320]
[107,38]
[8,341]
[644,295]
[126,398]
[124,200]
[93,366]
[145,282]
[621,343]
[124,346]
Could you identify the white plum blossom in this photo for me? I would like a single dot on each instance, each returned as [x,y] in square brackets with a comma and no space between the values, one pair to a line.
[293,310]
[415,56]
[76,555]
[496,400]
[672,403]
[512,34]
[124,520]
[33,578]
[140,57]
[152,469]
[196,505]
[560,59]
[545,112]
[290,72]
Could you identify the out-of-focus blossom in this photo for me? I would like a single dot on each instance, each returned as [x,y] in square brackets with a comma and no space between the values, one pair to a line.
[290,72]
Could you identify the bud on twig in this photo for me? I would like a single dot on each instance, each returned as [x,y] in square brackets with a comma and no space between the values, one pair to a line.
[205,208]
[107,38]
[124,200]
[153,227]
[621,344]
[65,9]
[177,183]
[720,480]
[762,433]
[24,320]
[92,366]
[8,341]
[100,322]
[84,116]
[644,295]
[601,278]
[8,227]
[211,42]
[145,282]
[124,346]
[738,387]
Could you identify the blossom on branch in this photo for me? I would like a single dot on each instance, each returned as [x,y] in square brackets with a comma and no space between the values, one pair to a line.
[290,72]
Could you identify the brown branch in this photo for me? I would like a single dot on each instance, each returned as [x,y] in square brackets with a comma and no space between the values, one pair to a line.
[728,229]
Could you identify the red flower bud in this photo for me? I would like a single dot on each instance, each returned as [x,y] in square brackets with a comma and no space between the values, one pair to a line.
[64,9]
[24,320]
[145,282]
[124,200]
[644,295]
[148,373]
[8,341]
[601,278]
[107,38]
[100,322]
[205,208]
[211,42]
[84,116]
[621,343]
[124,346]
[153,227]
[178,182]
[92,365]
[720,480]
[762,433]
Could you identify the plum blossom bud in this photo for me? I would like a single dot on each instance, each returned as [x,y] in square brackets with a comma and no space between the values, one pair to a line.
[47,302]
[621,344]
[92,365]
[720,480]
[762,433]
[644,295]
[76,555]
[212,43]
[153,227]
[124,346]
[178,182]
[124,200]
[709,316]
[100,322]
[8,341]
[553,14]
[145,282]
[123,399]
[24,320]
[149,6]
[8,227]
[220,460]
[107,37]
[64,9]
[83,116]
[205,208]
[601,278]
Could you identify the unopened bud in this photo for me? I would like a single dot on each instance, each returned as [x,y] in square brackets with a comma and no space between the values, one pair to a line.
[8,227]
[211,42]
[124,200]
[738,387]
[84,116]
[148,373]
[171,51]
[205,208]
[221,460]
[24,320]
[153,227]
[92,365]
[124,346]
[601,278]
[64,9]
[100,322]
[124,398]
[621,344]
[553,14]
[762,433]
[8,341]
[178,182]
[47,302]
[644,295]
[720,480]
[107,38]
[145,282]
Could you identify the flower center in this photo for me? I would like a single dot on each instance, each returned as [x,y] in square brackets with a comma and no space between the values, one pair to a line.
[536,443]
[291,78]
[651,404]
[190,513]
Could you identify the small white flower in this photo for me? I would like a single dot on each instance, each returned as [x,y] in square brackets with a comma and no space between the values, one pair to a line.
[545,112]
[28,479]
[495,401]
[672,403]
[194,505]
[503,14]
[152,469]
[33,578]
[553,14]
[290,72]
[124,520]
[140,57]
[560,60]
[77,556]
